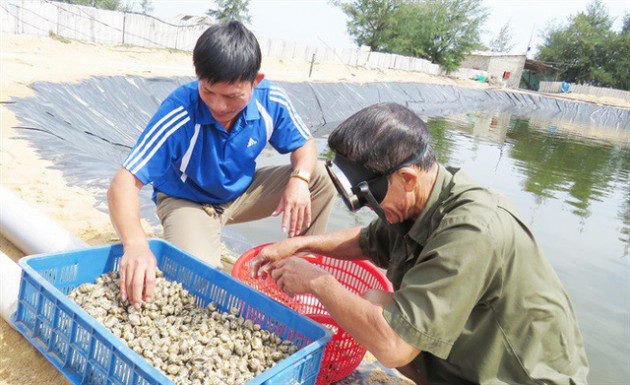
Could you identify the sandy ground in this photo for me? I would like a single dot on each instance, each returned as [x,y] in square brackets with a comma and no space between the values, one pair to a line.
[593,99]
[27,59]
[582,98]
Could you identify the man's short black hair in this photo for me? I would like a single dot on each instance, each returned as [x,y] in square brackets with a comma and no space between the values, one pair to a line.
[382,137]
[227,53]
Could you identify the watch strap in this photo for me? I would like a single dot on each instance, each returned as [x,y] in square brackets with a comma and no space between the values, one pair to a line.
[301,174]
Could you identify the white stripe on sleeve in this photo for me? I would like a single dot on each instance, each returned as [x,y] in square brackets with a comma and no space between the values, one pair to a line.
[297,122]
[280,93]
[188,153]
[157,147]
[267,119]
[155,135]
[148,135]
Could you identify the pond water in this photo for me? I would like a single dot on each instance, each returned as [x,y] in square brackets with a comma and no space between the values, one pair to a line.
[571,184]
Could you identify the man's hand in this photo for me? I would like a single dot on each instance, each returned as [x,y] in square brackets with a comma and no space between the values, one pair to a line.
[137,265]
[137,274]
[297,276]
[296,205]
[261,264]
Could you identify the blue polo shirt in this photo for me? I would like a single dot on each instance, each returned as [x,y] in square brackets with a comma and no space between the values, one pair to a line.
[185,153]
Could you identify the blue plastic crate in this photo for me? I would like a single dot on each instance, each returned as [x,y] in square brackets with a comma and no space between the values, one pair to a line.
[87,353]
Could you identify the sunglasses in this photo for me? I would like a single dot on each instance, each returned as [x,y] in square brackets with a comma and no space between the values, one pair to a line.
[360,186]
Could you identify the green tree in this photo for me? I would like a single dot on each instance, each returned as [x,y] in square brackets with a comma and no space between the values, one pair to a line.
[229,10]
[618,64]
[502,42]
[583,48]
[368,20]
[146,6]
[442,31]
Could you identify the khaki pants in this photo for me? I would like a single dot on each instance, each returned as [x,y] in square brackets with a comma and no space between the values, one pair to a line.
[187,225]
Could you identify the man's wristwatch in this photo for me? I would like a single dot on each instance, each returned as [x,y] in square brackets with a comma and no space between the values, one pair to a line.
[301,174]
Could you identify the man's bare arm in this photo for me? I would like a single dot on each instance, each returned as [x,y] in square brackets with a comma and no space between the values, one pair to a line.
[305,157]
[124,208]
[138,264]
[364,320]
[360,316]
[296,199]
[343,244]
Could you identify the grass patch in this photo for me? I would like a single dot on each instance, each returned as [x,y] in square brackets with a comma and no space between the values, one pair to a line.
[54,36]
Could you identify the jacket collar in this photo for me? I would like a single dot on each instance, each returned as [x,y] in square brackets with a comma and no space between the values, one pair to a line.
[421,228]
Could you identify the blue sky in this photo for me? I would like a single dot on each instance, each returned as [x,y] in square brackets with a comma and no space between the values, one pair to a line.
[318,22]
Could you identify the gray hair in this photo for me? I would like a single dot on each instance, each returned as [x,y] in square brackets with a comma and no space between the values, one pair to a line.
[383,136]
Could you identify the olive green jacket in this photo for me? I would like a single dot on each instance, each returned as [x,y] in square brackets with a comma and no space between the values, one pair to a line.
[474,292]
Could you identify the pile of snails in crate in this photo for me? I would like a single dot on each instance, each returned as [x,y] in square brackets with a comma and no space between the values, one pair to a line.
[189,344]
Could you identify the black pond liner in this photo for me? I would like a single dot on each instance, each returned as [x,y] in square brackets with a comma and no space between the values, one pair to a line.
[87,128]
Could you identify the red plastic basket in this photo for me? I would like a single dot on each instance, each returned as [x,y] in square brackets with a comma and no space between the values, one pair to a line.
[343,354]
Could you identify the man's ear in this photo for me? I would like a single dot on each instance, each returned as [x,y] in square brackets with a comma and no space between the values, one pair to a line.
[409,177]
[258,79]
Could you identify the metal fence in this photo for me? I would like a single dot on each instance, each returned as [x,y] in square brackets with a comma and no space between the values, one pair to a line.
[43,17]
[555,87]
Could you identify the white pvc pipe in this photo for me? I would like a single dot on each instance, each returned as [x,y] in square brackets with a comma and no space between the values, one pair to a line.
[10,274]
[30,230]
[33,233]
